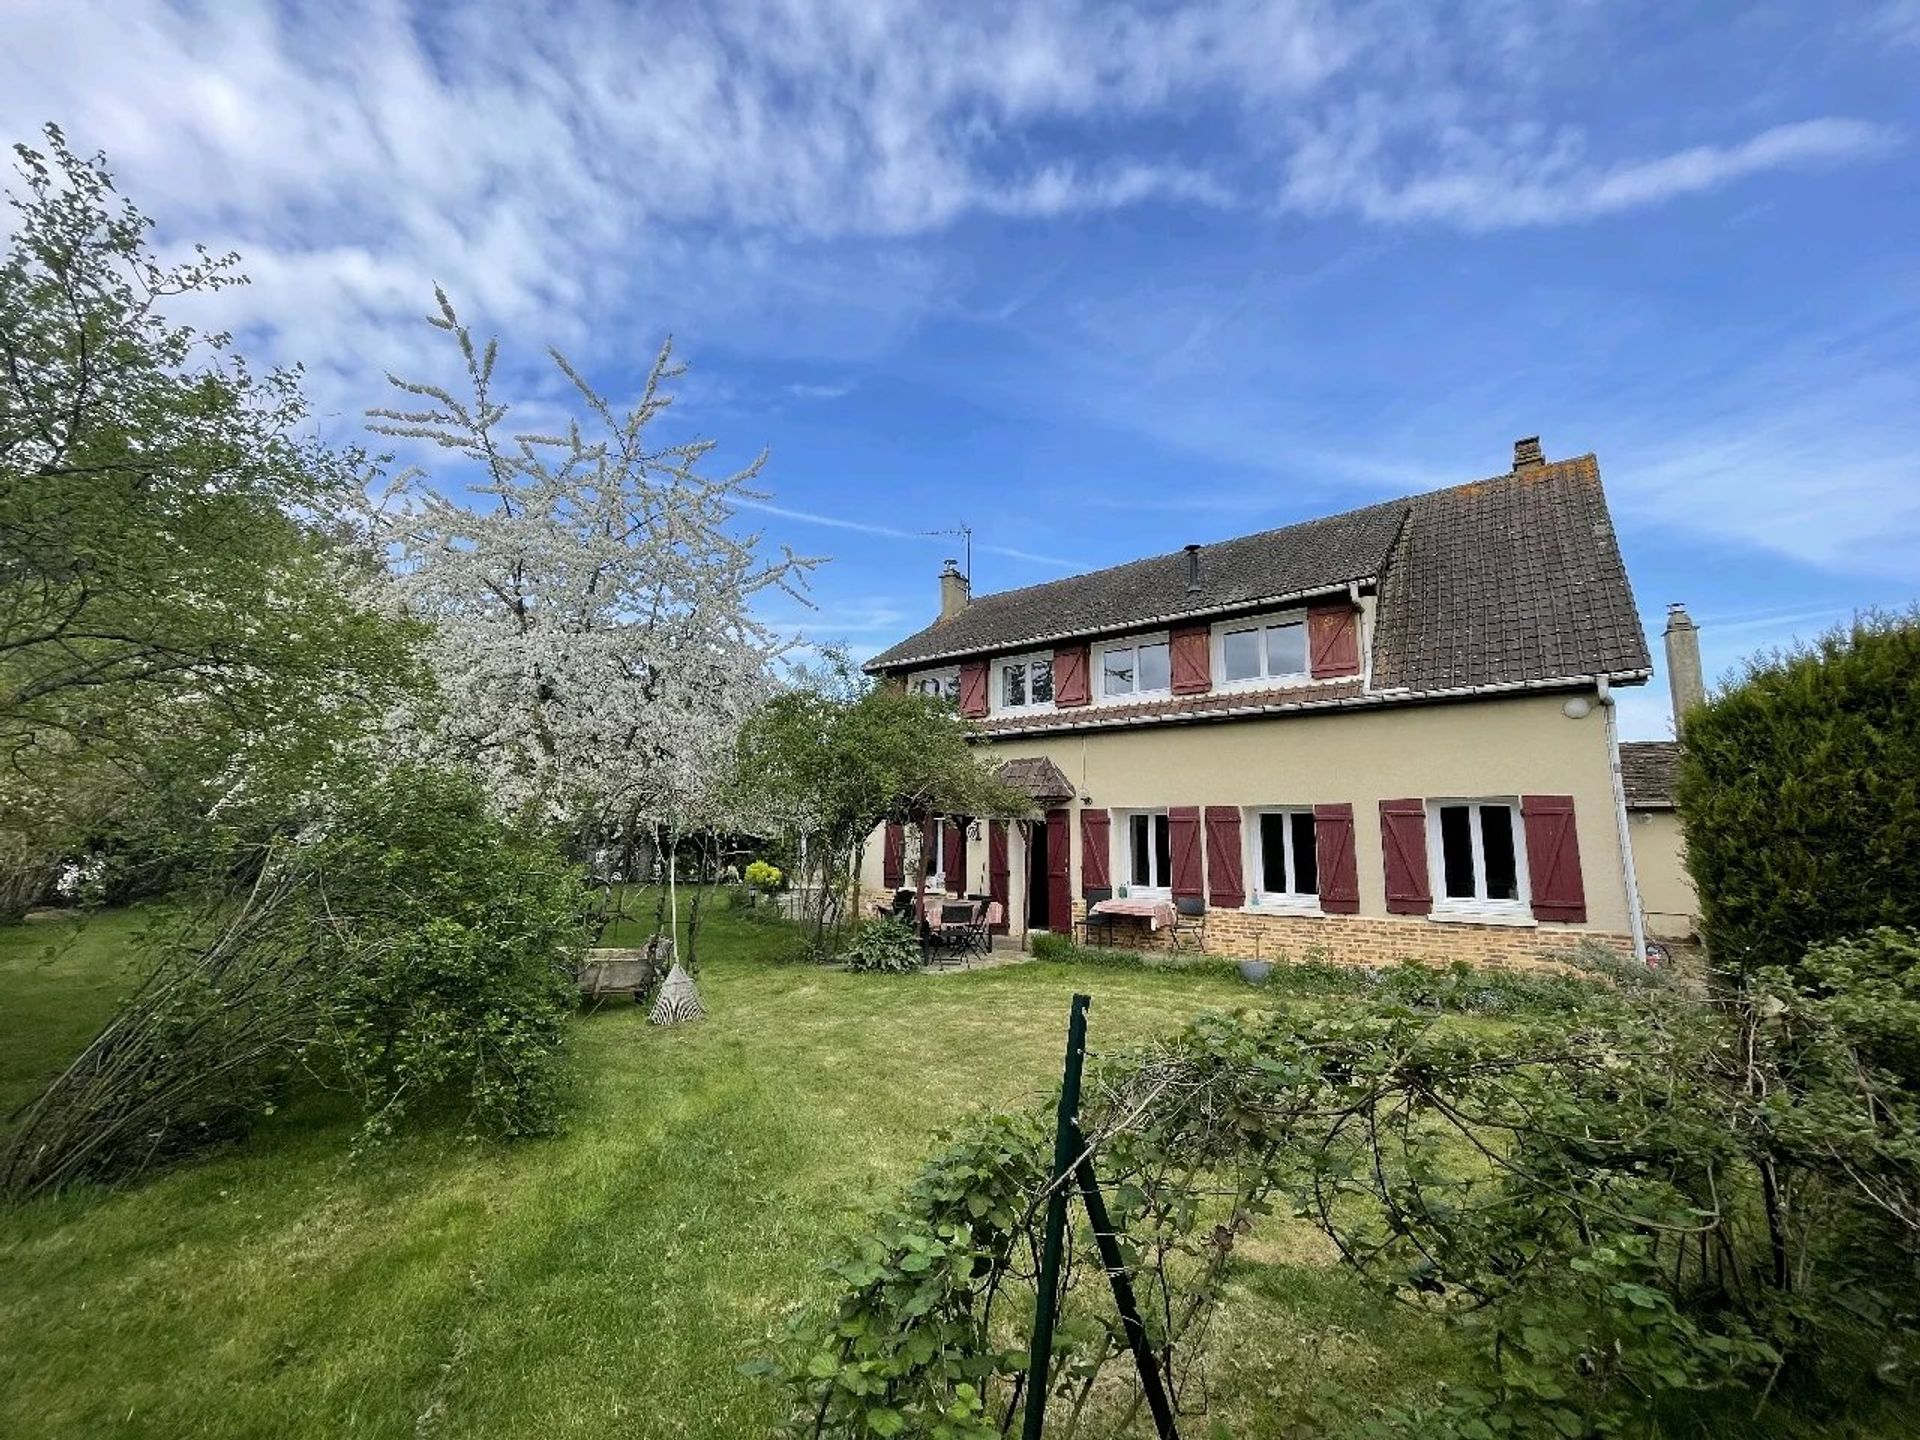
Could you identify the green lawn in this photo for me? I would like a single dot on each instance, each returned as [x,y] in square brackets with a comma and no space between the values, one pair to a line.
[604,1283]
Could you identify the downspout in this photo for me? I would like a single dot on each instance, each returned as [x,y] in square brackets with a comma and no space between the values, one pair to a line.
[1635,919]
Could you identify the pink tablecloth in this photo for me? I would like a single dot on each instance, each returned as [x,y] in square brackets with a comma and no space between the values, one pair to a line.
[1155,912]
[931,905]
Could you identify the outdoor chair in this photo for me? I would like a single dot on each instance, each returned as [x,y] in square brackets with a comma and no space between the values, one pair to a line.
[1097,929]
[1189,923]
[953,936]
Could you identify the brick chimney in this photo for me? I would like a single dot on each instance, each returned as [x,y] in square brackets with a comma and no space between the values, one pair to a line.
[955,591]
[1526,453]
[1683,664]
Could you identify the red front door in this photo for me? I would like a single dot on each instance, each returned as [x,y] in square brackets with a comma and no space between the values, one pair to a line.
[1059,873]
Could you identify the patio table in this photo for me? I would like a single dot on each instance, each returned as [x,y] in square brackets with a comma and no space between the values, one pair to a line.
[1157,913]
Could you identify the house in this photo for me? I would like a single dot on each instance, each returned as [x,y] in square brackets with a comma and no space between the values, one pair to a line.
[1388,732]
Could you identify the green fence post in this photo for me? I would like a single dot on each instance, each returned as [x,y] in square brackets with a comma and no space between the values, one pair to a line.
[1066,1142]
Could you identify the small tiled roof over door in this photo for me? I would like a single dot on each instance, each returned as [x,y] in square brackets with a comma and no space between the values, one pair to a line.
[1648,769]
[1508,581]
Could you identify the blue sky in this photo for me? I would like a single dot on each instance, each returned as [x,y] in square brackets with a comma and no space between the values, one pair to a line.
[1097,279]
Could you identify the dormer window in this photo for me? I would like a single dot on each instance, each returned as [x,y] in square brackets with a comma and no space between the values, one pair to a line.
[1027,683]
[1136,669]
[1259,651]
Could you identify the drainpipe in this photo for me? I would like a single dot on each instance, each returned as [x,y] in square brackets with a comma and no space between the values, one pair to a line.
[1636,921]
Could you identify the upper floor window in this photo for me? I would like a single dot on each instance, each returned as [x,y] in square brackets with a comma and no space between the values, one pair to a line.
[1477,861]
[1286,858]
[941,684]
[1026,682]
[1263,652]
[1142,669]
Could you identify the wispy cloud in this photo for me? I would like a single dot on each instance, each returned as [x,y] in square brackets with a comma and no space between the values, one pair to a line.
[891,532]
[837,390]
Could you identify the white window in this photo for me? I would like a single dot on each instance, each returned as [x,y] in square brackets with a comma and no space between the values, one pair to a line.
[941,684]
[1478,862]
[1254,650]
[1286,859]
[1147,861]
[1026,683]
[1138,669]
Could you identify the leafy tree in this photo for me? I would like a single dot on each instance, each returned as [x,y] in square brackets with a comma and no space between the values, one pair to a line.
[836,756]
[181,584]
[1800,793]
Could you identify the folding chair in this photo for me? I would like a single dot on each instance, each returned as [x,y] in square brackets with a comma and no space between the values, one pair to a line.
[1189,923]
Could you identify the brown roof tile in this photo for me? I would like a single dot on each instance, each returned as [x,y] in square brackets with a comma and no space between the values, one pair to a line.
[1179,707]
[1648,769]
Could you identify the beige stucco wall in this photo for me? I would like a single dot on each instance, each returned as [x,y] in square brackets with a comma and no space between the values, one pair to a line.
[1516,745]
[1667,896]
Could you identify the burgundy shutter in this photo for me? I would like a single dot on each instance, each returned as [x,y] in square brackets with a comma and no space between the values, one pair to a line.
[1333,640]
[997,871]
[1553,858]
[973,689]
[1070,677]
[953,853]
[1183,839]
[1094,851]
[1403,845]
[1192,670]
[1223,858]
[1333,855]
[893,861]
[1059,917]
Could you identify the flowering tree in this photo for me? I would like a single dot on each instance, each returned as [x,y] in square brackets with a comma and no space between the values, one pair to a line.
[594,632]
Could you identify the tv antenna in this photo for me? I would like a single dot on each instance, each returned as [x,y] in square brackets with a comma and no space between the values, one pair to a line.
[965,532]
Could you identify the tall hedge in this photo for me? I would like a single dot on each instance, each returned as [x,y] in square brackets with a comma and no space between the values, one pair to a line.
[1800,792]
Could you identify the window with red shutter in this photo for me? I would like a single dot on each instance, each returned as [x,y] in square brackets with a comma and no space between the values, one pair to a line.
[1094,851]
[1070,685]
[1334,857]
[973,689]
[893,856]
[1403,848]
[1189,874]
[1192,667]
[1333,640]
[1553,858]
[1224,886]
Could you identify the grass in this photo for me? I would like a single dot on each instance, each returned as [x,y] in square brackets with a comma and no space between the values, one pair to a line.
[606,1282]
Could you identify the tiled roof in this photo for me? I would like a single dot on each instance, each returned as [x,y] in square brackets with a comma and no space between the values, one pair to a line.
[1178,707]
[1310,558]
[1036,777]
[1647,772]
[1507,581]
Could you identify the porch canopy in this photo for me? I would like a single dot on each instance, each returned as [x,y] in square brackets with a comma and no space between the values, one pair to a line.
[1036,777]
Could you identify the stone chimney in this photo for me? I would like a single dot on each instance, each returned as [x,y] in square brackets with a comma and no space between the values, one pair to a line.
[1527,454]
[955,591]
[1683,663]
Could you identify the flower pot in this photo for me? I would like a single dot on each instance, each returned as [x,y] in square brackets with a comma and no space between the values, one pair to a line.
[1255,972]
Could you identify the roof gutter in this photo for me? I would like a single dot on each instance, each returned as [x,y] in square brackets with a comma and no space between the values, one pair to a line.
[1008,647]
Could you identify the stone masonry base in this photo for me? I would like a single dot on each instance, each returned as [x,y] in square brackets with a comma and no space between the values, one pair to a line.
[1363,940]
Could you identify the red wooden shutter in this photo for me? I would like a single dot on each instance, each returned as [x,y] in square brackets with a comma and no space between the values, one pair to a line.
[1223,858]
[997,871]
[1094,851]
[1334,857]
[1333,640]
[1183,839]
[893,856]
[1403,844]
[953,853]
[1192,669]
[1059,916]
[1553,858]
[1070,685]
[973,689]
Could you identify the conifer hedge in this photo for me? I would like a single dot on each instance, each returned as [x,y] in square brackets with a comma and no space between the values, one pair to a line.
[1799,790]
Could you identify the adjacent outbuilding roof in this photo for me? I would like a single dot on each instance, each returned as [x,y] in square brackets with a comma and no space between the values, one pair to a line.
[1648,769]
[1507,582]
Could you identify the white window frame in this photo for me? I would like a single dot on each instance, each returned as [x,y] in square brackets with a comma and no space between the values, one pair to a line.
[1261,623]
[947,676]
[1100,651]
[1518,911]
[1254,855]
[997,680]
[1120,857]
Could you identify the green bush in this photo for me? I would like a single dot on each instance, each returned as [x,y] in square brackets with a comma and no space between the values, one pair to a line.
[1800,793]
[888,946]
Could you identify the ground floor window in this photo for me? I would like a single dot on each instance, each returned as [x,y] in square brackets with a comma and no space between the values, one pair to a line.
[1286,859]
[1149,855]
[1475,855]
